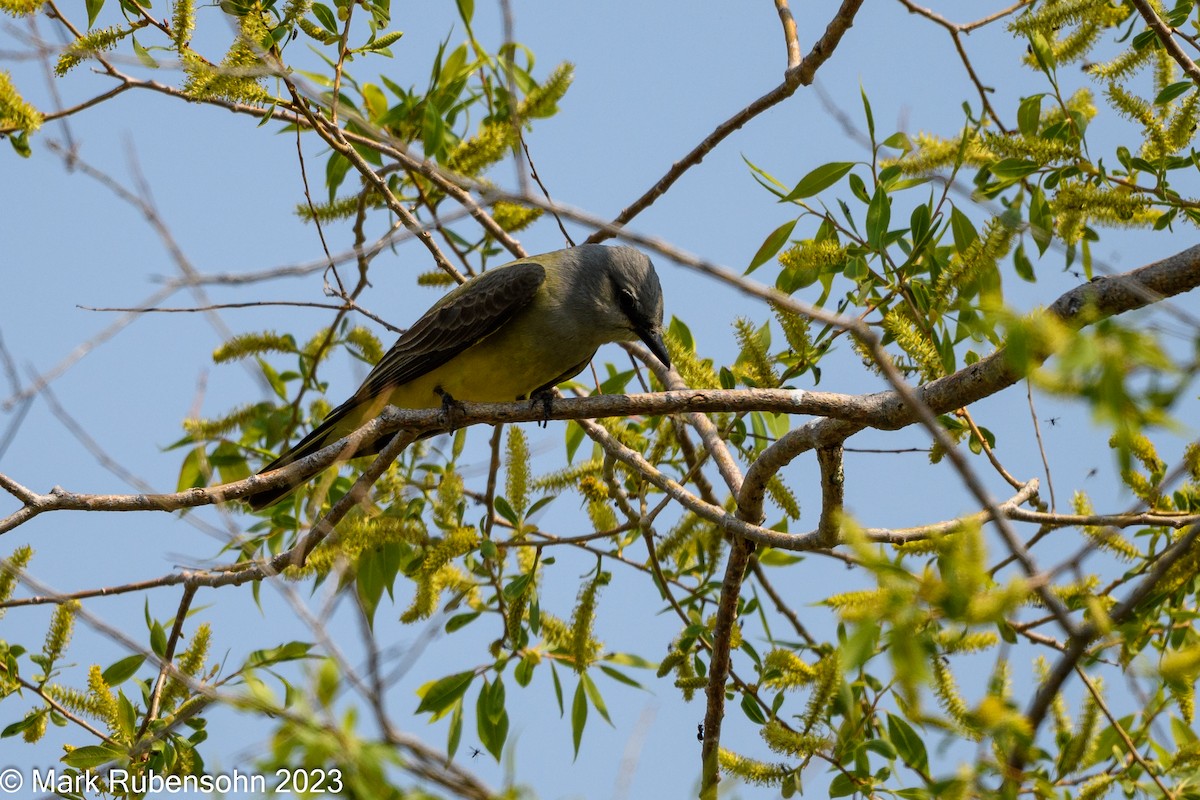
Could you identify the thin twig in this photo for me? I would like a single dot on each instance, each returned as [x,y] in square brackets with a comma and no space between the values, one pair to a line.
[1120,729]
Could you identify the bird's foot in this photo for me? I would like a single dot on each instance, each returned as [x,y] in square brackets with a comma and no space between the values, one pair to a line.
[451,410]
[545,398]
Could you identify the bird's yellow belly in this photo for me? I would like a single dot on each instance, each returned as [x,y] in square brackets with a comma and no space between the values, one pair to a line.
[494,371]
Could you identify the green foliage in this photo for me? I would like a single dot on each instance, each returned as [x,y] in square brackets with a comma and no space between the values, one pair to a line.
[88,45]
[922,239]
[584,647]
[239,76]
[14,111]
[20,8]
[10,569]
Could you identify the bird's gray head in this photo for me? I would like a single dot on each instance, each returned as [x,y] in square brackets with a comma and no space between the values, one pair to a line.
[629,298]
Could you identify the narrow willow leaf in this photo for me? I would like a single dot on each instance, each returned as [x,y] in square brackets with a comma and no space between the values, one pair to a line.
[593,693]
[820,179]
[772,245]
[908,744]
[438,696]
[1172,91]
[120,671]
[879,216]
[579,712]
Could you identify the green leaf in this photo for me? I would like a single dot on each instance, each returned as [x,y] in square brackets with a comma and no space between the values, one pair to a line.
[371,580]
[143,54]
[335,172]
[1012,169]
[374,101]
[919,223]
[454,737]
[593,693]
[620,676]
[20,143]
[1144,38]
[93,11]
[461,621]
[963,230]
[1029,115]
[575,437]
[908,744]
[278,384]
[771,179]
[491,719]
[752,710]
[327,682]
[524,671]
[454,68]
[881,746]
[193,470]
[879,215]
[772,245]
[579,712]
[20,725]
[505,510]
[1041,221]
[842,786]
[517,586]
[558,692]
[488,549]
[867,111]
[291,651]
[820,179]
[91,756]
[770,557]
[120,671]
[1023,265]
[630,660]
[1044,53]
[158,640]
[466,10]
[862,644]
[437,696]
[325,16]
[1172,91]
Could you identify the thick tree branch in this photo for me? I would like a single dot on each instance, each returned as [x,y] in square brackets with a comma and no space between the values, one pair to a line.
[833,492]
[1168,41]
[1085,304]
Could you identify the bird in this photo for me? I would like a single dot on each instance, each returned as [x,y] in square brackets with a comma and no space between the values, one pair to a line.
[512,332]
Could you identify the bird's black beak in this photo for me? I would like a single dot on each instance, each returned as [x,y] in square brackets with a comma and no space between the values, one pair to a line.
[652,338]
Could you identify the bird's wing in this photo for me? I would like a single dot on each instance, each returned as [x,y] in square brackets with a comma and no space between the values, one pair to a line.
[455,324]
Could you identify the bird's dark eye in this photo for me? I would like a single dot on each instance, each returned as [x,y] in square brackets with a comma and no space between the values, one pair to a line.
[627,302]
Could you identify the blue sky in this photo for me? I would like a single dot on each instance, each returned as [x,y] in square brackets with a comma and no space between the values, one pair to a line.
[651,81]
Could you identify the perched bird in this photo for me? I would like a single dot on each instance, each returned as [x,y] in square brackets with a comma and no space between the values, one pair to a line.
[507,334]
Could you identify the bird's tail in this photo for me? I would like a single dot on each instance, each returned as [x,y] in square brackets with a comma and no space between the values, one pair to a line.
[328,432]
